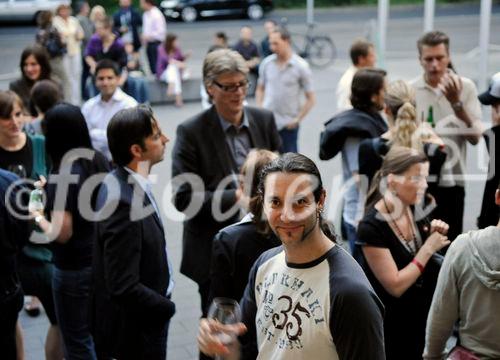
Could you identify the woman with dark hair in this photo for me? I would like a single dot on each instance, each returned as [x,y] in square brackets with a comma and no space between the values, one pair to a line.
[25,155]
[344,132]
[399,247]
[171,67]
[73,231]
[34,66]
[44,95]
[48,37]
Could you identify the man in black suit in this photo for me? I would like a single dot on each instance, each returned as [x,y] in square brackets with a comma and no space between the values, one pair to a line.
[212,146]
[133,283]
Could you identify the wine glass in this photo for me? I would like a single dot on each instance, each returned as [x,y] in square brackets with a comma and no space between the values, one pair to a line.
[18,169]
[225,311]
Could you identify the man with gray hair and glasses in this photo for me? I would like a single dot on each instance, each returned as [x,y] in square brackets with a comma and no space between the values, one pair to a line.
[212,146]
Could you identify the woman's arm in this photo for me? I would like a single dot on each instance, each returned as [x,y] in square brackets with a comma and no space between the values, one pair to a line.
[60,228]
[395,281]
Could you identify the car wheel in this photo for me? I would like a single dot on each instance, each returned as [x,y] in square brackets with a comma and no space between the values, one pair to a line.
[189,14]
[255,12]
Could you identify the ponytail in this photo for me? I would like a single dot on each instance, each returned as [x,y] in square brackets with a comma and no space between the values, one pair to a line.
[405,128]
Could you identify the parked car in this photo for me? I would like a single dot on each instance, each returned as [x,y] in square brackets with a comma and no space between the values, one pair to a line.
[26,10]
[190,10]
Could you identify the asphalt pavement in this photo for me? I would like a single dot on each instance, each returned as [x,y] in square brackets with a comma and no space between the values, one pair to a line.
[461,22]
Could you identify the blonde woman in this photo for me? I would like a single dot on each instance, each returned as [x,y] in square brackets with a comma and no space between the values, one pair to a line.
[98,13]
[405,129]
[72,35]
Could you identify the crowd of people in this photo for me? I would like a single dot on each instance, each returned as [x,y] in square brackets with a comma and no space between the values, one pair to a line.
[255,228]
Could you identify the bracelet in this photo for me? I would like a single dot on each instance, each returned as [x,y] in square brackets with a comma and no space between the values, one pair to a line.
[418,264]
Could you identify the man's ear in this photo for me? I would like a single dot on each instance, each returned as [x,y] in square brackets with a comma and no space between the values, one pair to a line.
[136,151]
[497,197]
[322,199]
[209,90]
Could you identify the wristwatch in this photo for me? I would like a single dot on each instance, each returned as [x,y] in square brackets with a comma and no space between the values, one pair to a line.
[457,106]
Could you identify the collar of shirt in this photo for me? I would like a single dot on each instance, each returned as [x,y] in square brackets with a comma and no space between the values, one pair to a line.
[118,96]
[422,84]
[226,125]
[247,218]
[290,62]
[144,183]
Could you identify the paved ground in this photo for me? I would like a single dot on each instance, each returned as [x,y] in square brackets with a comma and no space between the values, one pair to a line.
[343,25]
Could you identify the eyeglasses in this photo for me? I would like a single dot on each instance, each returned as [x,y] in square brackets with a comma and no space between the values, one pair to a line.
[233,88]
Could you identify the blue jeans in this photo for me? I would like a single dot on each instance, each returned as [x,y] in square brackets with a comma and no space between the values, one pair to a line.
[137,88]
[289,140]
[71,298]
[351,234]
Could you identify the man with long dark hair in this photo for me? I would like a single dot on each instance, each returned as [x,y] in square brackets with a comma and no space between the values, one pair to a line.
[306,299]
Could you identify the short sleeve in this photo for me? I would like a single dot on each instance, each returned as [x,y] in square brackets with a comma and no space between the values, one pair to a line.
[306,78]
[471,102]
[262,73]
[370,232]
[69,200]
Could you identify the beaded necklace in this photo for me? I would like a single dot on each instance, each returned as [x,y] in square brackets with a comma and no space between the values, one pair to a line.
[406,242]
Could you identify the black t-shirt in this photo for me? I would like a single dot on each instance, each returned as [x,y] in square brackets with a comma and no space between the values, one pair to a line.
[23,156]
[76,253]
[405,317]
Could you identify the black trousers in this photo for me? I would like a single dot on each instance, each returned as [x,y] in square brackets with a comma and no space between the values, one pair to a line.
[450,208]
[152,53]
[10,306]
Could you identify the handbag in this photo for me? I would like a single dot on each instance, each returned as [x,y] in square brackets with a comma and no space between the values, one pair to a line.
[461,353]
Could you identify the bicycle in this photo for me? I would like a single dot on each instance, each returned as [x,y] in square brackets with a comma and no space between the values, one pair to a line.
[318,50]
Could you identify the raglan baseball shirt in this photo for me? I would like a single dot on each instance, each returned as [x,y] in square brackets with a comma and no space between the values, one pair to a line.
[324,309]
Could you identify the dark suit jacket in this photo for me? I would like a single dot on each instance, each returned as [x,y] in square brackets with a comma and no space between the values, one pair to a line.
[201,148]
[130,271]
[136,20]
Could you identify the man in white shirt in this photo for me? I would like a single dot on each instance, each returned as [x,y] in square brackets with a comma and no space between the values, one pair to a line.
[456,111]
[99,110]
[362,56]
[154,30]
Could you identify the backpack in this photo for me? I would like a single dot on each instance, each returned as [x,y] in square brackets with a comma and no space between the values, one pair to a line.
[52,42]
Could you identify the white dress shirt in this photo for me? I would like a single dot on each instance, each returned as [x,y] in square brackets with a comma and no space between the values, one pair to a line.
[343,91]
[98,113]
[154,26]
